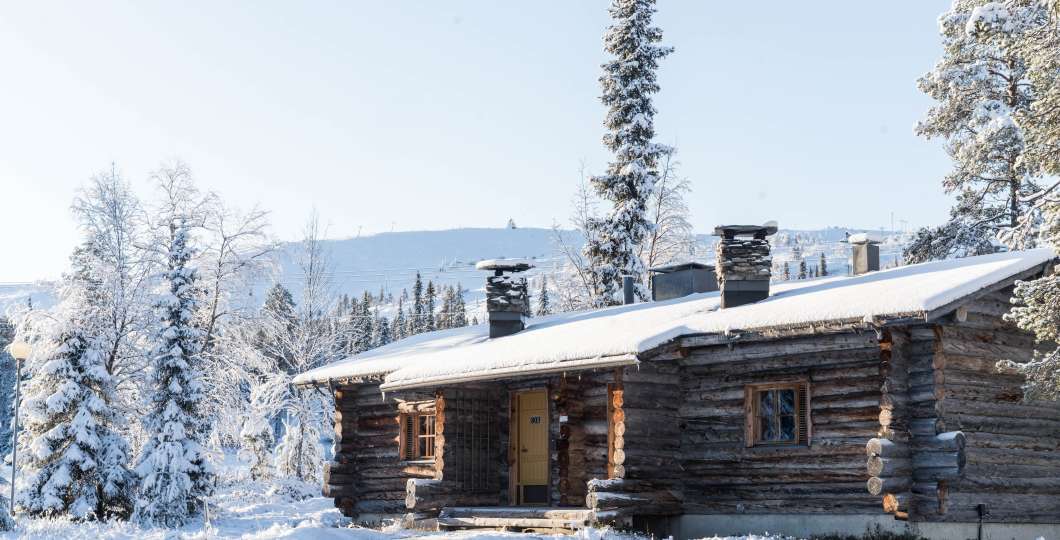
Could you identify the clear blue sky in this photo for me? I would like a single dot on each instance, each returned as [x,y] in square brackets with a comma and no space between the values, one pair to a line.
[431,115]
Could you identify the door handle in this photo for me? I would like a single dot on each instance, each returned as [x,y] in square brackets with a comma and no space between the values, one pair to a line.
[525,450]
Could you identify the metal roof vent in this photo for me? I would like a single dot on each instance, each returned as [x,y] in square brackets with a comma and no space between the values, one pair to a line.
[864,253]
[681,279]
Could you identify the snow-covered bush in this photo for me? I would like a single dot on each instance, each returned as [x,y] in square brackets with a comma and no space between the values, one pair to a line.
[257,441]
[299,455]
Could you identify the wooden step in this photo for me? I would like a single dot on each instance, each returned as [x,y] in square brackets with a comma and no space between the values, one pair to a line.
[515,518]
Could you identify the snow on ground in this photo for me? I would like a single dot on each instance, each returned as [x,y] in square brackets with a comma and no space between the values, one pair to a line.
[283,510]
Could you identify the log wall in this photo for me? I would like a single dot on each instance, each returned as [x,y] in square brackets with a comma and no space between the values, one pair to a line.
[723,475]
[1012,446]
[642,476]
[366,475]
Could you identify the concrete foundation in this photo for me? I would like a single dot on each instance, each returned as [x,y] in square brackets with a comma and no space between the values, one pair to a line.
[805,525]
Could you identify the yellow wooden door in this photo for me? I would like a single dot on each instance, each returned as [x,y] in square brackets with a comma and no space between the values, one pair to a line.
[533,446]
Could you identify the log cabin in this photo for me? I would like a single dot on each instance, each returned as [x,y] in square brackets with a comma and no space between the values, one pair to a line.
[796,407]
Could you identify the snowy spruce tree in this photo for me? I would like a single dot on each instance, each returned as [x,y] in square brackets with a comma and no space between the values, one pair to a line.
[458,319]
[400,325]
[77,462]
[429,299]
[628,83]
[822,265]
[544,306]
[416,320]
[983,95]
[381,334]
[173,468]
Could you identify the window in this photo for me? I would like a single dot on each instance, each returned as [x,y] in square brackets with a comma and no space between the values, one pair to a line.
[777,414]
[417,436]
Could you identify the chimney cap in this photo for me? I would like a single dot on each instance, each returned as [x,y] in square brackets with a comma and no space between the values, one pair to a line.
[677,267]
[766,229]
[864,238]
[505,265]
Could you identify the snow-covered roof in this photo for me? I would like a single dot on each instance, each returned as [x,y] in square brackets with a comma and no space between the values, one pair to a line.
[616,336]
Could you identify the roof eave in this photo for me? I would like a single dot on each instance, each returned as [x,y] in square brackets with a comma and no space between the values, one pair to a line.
[583,364]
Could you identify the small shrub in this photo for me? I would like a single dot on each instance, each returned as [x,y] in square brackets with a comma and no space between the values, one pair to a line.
[871,533]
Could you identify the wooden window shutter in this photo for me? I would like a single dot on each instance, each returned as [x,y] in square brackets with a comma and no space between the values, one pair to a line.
[804,413]
[408,433]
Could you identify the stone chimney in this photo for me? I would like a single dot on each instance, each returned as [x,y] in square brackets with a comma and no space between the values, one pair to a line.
[744,263]
[864,253]
[507,301]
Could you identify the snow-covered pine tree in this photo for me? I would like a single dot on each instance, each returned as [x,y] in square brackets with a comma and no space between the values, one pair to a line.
[400,325]
[280,310]
[787,271]
[256,440]
[280,303]
[381,334]
[173,468]
[298,454]
[416,321]
[628,83]
[822,265]
[363,317]
[7,383]
[802,269]
[544,307]
[459,317]
[1036,312]
[982,91]
[429,298]
[443,320]
[77,464]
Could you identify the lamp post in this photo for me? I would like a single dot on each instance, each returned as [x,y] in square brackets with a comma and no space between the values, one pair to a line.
[19,350]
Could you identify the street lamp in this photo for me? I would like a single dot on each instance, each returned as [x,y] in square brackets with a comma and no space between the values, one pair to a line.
[18,350]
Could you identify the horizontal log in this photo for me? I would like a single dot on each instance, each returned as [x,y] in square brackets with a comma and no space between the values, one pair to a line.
[890,467]
[879,486]
[887,449]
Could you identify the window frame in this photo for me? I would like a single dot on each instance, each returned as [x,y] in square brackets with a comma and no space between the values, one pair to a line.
[412,418]
[753,418]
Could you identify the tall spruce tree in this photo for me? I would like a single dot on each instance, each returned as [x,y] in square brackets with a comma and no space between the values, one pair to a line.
[429,299]
[363,318]
[544,306]
[399,328]
[416,321]
[787,271]
[173,468]
[381,331]
[822,265]
[982,91]
[458,319]
[77,460]
[628,83]
[443,321]
[802,269]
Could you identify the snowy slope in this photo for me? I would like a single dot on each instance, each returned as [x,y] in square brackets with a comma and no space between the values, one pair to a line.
[390,260]
[42,294]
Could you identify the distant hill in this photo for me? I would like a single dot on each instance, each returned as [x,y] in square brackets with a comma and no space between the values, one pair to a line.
[389,261]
